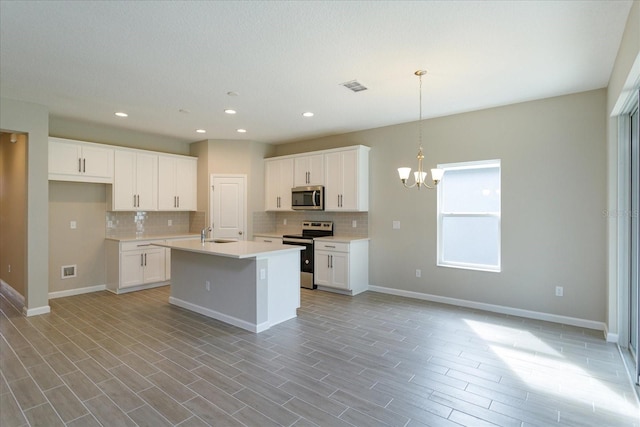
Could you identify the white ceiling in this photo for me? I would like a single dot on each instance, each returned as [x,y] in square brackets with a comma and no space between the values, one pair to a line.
[88,59]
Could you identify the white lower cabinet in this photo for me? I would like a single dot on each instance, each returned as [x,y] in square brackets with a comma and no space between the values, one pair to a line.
[277,240]
[341,267]
[135,265]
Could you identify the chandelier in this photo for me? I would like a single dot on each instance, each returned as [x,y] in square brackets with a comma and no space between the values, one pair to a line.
[420,176]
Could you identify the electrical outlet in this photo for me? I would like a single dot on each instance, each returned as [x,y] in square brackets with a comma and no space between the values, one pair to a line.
[559,291]
[396,225]
[418,273]
[354,223]
[284,221]
[170,222]
[109,224]
[263,274]
[9,268]
[207,285]
[73,225]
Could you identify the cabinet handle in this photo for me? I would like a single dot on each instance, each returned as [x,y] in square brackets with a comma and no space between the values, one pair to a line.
[138,200]
[145,260]
[134,200]
[329,246]
[178,198]
[84,165]
[141,260]
[331,260]
[79,164]
[328,261]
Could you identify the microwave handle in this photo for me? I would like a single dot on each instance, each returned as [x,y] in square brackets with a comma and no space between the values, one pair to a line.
[313,196]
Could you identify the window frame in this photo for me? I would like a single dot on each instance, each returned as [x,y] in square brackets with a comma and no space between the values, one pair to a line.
[473,165]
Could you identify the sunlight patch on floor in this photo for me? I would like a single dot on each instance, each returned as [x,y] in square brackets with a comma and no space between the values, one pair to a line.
[547,370]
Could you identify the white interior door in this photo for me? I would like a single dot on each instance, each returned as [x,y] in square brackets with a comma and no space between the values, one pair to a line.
[228,206]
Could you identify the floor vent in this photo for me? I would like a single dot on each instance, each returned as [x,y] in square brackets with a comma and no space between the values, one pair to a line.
[68,271]
[354,86]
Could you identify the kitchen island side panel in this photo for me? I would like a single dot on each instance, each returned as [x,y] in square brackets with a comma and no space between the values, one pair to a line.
[232,286]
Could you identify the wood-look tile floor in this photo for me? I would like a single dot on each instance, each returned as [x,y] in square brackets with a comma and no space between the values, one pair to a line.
[370,360]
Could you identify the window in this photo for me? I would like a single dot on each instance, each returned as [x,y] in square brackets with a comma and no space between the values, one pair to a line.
[469,216]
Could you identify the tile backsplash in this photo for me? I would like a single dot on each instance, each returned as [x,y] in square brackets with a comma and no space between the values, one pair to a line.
[153,223]
[274,222]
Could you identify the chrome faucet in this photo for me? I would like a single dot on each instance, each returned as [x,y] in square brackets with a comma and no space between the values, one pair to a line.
[203,234]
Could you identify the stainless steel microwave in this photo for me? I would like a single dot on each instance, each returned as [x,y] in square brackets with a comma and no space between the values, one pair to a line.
[307,198]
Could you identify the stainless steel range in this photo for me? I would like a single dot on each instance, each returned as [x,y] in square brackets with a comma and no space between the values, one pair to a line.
[310,229]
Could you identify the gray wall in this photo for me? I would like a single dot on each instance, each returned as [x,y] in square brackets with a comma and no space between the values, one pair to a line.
[553,154]
[232,157]
[32,119]
[84,246]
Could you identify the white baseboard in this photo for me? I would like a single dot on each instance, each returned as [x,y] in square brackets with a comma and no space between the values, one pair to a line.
[555,318]
[36,311]
[77,291]
[251,327]
[610,337]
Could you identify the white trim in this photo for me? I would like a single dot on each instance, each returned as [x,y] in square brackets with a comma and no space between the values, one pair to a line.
[537,315]
[248,326]
[138,288]
[36,311]
[77,291]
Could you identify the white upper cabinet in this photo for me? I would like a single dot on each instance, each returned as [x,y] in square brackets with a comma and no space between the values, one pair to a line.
[135,183]
[278,183]
[177,182]
[308,170]
[80,161]
[347,180]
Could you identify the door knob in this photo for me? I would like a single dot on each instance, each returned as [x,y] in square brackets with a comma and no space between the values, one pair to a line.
[240,233]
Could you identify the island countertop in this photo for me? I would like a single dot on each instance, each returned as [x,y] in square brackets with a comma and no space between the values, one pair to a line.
[239,250]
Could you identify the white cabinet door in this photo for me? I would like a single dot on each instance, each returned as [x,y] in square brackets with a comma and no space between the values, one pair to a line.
[308,170]
[64,158]
[321,268]
[347,180]
[186,183]
[132,272]
[331,269]
[79,161]
[278,184]
[334,179]
[147,181]
[177,183]
[135,184]
[339,263]
[154,265]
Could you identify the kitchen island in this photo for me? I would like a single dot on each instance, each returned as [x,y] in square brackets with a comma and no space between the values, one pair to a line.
[252,285]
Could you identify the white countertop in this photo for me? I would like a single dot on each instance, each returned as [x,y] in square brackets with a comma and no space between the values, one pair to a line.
[340,239]
[239,250]
[134,237]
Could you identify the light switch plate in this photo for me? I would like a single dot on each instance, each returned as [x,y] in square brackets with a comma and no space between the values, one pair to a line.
[396,225]
[73,225]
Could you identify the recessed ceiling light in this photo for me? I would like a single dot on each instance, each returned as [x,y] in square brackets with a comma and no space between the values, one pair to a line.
[230,111]
[121,114]
[201,131]
[241,130]
[307,114]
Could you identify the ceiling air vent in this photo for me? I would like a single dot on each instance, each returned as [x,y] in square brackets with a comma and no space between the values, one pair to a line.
[354,86]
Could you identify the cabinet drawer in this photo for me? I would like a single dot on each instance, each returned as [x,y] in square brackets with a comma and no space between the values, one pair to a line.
[134,246]
[331,246]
